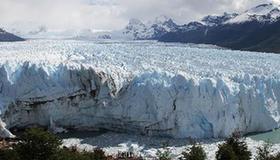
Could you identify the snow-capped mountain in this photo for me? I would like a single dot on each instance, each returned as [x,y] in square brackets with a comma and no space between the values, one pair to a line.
[164,24]
[190,26]
[8,37]
[135,30]
[138,30]
[256,29]
[213,20]
[262,13]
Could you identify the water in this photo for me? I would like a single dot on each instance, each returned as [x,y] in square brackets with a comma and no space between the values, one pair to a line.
[271,137]
[80,134]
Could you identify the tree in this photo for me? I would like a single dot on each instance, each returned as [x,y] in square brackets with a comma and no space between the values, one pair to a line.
[37,144]
[225,152]
[263,152]
[196,152]
[234,148]
[164,155]
[8,154]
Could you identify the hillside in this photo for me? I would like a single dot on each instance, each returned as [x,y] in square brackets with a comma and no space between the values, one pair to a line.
[8,37]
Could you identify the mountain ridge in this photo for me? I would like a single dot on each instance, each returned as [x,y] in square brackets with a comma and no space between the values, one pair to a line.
[8,37]
[256,29]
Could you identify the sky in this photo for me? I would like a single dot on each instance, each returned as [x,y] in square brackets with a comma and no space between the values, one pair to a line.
[110,14]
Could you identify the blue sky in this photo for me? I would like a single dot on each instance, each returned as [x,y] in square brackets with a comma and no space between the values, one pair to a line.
[110,14]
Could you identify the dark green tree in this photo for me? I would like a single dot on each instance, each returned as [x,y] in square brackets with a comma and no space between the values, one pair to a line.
[263,152]
[196,152]
[8,154]
[234,148]
[37,144]
[164,155]
[225,152]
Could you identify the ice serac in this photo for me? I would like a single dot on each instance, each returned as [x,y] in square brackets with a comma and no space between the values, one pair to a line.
[4,132]
[151,103]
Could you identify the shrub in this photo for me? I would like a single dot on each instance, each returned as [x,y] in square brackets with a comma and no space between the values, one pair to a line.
[164,155]
[233,148]
[99,154]
[276,157]
[128,156]
[263,152]
[73,154]
[8,154]
[69,154]
[225,152]
[37,144]
[196,152]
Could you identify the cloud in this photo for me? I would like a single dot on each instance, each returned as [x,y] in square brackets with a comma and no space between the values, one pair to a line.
[58,14]
[185,10]
[110,14]
[276,2]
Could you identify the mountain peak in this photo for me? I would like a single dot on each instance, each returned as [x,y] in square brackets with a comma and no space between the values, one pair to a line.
[135,21]
[162,25]
[213,20]
[262,9]
[161,19]
[151,30]
[262,13]
[135,24]
[8,37]
[1,31]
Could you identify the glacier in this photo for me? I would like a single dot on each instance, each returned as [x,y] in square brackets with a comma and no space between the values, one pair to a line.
[143,87]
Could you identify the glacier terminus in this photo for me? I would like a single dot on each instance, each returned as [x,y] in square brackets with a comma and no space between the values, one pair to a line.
[144,87]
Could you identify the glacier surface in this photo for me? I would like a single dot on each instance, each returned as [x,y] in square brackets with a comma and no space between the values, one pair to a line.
[146,87]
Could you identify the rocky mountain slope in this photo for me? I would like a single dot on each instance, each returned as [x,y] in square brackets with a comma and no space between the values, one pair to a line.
[8,37]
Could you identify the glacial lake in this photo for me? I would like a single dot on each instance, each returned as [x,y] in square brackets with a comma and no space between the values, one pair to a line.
[271,137]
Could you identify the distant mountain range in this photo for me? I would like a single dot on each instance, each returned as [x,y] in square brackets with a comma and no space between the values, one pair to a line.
[8,37]
[134,30]
[257,29]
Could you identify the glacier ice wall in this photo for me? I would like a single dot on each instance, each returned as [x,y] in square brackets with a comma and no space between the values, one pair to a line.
[149,88]
[152,103]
